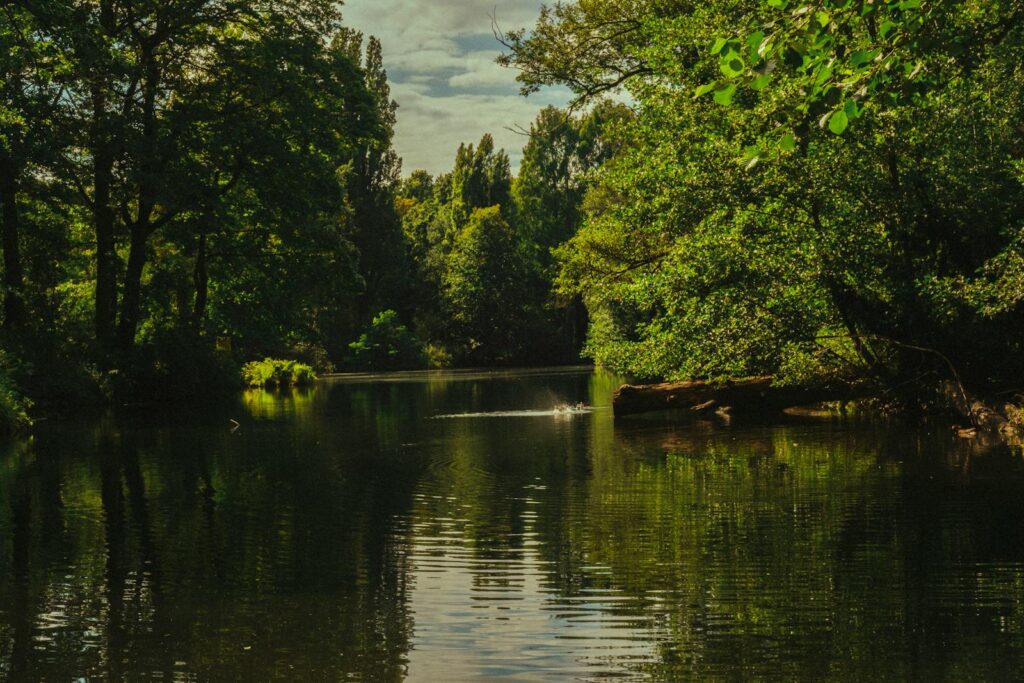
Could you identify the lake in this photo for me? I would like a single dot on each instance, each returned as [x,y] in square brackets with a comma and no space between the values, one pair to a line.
[483,526]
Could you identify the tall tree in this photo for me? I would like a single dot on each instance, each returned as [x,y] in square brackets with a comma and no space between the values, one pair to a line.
[562,153]
[482,285]
[372,181]
[31,71]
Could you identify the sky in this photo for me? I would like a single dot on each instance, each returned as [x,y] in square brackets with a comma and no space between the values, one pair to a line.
[440,59]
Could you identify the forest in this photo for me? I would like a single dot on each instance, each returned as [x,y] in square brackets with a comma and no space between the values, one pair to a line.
[828,192]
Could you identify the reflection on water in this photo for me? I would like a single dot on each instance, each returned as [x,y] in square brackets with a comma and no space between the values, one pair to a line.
[346,534]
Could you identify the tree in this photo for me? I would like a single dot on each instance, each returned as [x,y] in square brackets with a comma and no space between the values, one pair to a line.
[482,178]
[482,283]
[30,90]
[844,258]
[175,171]
[561,154]
[372,179]
[387,344]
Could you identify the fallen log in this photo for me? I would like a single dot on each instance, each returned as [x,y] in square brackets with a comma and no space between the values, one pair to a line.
[754,395]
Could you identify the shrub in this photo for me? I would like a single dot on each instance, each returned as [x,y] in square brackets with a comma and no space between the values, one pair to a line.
[270,373]
[13,406]
[387,344]
[438,357]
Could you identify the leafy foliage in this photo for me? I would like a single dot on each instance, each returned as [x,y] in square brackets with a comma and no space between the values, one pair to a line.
[891,253]
[387,344]
[14,406]
[271,373]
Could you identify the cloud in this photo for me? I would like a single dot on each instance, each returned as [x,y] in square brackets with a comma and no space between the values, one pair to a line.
[440,57]
[431,127]
[481,71]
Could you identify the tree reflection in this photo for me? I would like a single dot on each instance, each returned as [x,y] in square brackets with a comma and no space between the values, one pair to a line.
[298,545]
[197,551]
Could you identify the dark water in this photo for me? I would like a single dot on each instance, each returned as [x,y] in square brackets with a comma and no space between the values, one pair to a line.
[352,533]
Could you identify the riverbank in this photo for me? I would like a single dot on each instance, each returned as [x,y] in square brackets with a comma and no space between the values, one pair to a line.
[969,415]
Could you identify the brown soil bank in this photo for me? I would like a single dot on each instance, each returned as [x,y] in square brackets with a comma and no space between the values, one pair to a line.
[759,396]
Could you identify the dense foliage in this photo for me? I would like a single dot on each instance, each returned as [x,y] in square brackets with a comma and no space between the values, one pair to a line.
[482,241]
[272,373]
[167,167]
[14,406]
[178,178]
[387,344]
[823,191]
[827,191]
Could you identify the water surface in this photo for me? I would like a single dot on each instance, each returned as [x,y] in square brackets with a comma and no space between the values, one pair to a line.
[483,526]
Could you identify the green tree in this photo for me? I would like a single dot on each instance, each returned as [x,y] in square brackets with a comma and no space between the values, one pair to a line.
[845,258]
[481,286]
[482,178]
[387,344]
[372,178]
[177,171]
[561,154]
[31,75]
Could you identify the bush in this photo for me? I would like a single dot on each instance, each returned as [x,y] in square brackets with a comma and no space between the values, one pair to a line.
[438,357]
[13,406]
[387,344]
[270,373]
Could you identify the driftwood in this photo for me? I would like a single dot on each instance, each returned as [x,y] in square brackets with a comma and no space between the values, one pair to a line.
[752,395]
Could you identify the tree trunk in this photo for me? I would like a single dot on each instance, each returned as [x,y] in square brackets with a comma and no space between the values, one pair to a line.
[106,255]
[201,278]
[14,278]
[103,214]
[132,299]
[752,395]
[142,227]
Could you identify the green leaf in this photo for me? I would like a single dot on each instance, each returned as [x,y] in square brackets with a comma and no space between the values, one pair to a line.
[787,143]
[859,59]
[793,58]
[704,89]
[777,4]
[851,109]
[723,95]
[754,41]
[718,45]
[760,82]
[838,122]
[732,66]
[752,155]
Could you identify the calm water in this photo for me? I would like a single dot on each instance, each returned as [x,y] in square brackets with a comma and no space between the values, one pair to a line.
[400,529]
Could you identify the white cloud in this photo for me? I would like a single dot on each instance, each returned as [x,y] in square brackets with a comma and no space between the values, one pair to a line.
[481,71]
[440,56]
[431,127]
